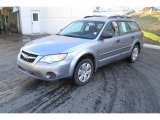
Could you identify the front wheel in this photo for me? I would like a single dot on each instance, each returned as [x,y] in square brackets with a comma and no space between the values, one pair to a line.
[83,72]
[134,54]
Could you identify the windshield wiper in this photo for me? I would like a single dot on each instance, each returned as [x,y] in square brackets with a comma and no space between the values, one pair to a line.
[69,35]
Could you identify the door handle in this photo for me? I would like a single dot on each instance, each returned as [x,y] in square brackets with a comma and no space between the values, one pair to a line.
[118,41]
[132,37]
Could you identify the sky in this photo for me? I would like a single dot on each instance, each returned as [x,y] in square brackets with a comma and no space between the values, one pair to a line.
[81,3]
[130,3]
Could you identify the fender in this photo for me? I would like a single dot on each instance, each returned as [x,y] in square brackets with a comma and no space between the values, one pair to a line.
[134,43]
[76,59]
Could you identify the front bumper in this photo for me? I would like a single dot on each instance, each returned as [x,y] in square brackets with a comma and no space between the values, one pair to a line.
[45,71]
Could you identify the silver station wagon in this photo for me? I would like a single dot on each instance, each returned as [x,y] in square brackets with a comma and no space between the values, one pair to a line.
[80,48]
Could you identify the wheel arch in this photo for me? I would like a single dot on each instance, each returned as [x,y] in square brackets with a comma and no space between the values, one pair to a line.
[139,45]
[81,56]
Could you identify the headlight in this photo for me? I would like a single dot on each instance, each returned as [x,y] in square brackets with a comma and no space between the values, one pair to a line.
[53,58]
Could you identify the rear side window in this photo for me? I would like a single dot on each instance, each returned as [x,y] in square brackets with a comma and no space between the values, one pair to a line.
[124,28]
[134,27]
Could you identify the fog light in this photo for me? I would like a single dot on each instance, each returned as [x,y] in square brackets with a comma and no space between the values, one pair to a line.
[50,75]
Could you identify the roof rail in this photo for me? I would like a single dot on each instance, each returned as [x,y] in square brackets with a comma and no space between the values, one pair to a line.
[119,16]
[94,16]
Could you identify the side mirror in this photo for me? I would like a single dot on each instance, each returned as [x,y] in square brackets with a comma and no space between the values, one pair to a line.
[105,36]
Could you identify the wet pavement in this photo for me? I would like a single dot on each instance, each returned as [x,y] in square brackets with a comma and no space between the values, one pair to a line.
[120,87]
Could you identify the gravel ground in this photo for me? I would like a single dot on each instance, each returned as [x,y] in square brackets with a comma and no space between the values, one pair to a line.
[120,87]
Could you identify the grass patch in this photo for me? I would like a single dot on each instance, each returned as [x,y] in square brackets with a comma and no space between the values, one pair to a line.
[151,36]
[156,15]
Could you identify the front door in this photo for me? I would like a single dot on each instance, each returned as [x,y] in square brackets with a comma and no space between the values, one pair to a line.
[35,22]
[109,49]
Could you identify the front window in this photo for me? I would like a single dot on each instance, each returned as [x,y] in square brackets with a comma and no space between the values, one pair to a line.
[112,29]
[83,29]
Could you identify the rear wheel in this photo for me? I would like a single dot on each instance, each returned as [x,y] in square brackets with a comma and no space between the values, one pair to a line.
[83,72]
[134,55]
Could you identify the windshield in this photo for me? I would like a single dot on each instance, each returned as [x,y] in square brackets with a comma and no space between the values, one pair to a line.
[83,29]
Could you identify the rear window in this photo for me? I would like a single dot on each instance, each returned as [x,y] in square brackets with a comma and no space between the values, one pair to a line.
[124,28]
[134,27]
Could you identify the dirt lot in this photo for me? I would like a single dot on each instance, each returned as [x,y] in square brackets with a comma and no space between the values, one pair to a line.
[118,87]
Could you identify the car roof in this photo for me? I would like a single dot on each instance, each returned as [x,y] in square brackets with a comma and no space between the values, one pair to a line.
[108,18]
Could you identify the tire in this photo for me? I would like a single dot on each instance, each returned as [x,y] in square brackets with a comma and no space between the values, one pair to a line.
[83,72]
[134,54]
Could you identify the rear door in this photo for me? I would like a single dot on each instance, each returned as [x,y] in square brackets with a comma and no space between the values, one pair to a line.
[136,32]
[126,37]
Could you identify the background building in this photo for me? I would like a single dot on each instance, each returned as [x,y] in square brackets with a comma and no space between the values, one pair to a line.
[38,20]
[9,20]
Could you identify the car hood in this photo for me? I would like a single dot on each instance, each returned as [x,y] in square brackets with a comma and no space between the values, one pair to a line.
[54,44]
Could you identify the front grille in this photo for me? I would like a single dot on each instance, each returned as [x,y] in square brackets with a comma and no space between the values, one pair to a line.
[28,57]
